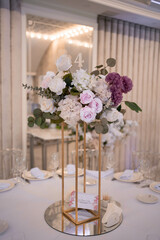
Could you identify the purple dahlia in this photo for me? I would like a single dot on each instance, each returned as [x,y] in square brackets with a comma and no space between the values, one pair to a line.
[114,79]
[126,84]
[116,95]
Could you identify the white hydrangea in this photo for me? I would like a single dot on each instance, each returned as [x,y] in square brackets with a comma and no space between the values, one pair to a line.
[70,109]
[63,63]
[113,115]
[57,84]
[81,80]
[101,88]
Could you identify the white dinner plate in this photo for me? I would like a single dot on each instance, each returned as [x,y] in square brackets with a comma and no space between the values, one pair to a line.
[10,185]
[29,176]
[136,177]
[147,198]
[89,181]
[59,172]
[152,187]
[3,226]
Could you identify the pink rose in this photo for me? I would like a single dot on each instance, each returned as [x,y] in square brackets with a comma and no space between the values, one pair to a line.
[87,114]
[96,104]
[47,78]
[86,96]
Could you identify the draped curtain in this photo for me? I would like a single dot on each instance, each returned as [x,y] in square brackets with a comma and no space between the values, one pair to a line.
[137,51]
[10,75]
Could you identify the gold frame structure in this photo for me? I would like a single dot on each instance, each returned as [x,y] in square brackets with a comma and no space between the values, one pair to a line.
[96,216]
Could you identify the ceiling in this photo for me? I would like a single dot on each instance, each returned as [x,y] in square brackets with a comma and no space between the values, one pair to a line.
[137,11]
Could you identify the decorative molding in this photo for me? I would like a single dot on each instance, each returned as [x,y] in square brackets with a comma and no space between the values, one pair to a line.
[128,8]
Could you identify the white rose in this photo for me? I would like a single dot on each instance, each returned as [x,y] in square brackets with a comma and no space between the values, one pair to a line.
[47,78]
[63,63]
[89,137]
[109,138]
[115,131]
[47,105]
[113,115]
[57,85]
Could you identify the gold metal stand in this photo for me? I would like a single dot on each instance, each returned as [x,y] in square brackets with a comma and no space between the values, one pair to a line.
[96,215]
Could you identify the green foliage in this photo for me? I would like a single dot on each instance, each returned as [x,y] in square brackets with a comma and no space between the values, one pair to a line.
[74,91]
[119,108]
[101,126]
[68,79]
[95,72]
[30,124]
[99,66]
[103,71]
[111,62]
[37,112]
[133,106]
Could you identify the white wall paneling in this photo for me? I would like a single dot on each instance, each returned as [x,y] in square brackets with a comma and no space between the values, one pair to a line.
[137,51]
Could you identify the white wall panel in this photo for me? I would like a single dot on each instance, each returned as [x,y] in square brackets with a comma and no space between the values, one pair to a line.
[137,51]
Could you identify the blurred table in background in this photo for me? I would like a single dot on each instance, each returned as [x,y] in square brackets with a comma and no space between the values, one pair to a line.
[47,137]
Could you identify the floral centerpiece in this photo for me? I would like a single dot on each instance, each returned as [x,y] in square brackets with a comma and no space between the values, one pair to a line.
[77,97]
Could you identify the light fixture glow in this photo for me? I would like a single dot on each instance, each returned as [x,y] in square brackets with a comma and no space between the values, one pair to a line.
[32,35]
[45,37]
[72,32]
[155,1]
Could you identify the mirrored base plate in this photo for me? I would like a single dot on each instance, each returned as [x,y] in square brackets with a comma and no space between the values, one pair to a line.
[55,219]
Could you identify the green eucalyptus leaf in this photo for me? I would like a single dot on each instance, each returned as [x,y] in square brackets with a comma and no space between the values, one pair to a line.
[111,62]
[133,106]
[103,71]
[104,121]
[38,121]
[30,124]
[98,128]
[95,72]
[105,129]
[31,119]
[47,115]
[37,112]
[43,125]
[99,66]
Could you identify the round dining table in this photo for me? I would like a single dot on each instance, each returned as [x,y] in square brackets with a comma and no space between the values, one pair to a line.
[23,208]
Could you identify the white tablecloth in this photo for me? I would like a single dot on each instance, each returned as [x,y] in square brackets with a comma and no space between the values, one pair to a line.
[23,208]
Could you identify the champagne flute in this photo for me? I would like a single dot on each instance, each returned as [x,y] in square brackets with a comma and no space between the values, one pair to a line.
[54,163]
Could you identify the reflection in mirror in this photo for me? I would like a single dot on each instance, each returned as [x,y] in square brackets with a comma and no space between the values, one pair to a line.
[47,40]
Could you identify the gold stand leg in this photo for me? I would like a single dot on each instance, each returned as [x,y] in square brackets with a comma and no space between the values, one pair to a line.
[99,188]
[62,127]
[66,212]
[76,182]
[84,184]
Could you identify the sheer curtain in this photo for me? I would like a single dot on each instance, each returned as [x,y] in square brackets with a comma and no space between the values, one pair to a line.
[137,51]
[10,75]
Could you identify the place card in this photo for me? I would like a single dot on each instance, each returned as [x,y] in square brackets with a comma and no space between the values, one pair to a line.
[85,200]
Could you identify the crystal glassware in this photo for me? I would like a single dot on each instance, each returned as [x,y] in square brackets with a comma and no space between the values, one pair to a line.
[54,163]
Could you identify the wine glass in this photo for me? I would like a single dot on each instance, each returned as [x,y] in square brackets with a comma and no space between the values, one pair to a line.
[54,163]
[20,165]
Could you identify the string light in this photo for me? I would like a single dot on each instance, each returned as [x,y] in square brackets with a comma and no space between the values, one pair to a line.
[80,43]
[67,33]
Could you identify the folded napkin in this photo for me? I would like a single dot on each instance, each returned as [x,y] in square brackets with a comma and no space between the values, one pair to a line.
[4,185]
[95,174]
[112,215]
[70,169]
[127,174]
[157,187]
[37,173]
